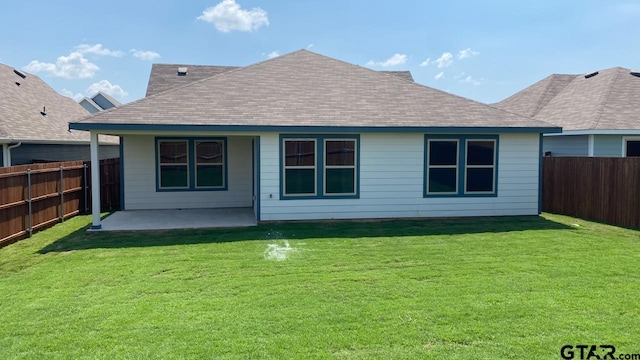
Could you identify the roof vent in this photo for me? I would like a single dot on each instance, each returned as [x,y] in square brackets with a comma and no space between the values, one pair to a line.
[586,76]
[635,73]
[17,83]
[182,71]
[44,111]
[20,74]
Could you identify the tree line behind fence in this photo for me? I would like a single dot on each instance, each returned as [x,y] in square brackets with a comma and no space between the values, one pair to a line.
[36,196]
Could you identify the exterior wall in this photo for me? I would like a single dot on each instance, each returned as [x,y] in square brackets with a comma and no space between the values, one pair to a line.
[140,178]
[26,153]
[607,145]
[391,182]
[566,145]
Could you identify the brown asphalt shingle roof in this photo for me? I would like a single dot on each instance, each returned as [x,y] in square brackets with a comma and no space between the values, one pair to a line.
[308,89]
[164,77]
[20,107]
[606,101]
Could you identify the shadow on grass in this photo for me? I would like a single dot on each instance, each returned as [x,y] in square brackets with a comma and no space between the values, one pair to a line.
[81,240]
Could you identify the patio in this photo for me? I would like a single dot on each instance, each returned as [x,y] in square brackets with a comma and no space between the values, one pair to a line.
[140,220]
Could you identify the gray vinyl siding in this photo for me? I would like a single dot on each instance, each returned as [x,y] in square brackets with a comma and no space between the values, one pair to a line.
[566,145]
[27,153]
[140,178]
[392,181]
[607,145]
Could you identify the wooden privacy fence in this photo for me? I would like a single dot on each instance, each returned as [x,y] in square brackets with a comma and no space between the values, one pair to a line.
[35,196]
[601,189]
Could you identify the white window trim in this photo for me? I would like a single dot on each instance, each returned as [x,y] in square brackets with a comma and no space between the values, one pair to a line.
[196,163]
[455,166]
[285,167]
[160,164]
[328,167]
[624,143]
[492,167]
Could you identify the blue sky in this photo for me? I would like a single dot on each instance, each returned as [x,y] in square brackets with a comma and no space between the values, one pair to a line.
[483,50]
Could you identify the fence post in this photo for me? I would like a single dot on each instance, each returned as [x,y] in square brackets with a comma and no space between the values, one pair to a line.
[85,185]
[29,202]
[61,194]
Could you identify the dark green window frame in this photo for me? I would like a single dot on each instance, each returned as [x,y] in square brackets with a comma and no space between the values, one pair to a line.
[476,173]
[327,175]
[194,164]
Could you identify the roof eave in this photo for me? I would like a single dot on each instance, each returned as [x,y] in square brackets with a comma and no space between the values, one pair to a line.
[328,129]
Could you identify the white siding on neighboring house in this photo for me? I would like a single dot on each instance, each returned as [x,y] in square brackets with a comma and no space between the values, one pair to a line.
[566,145]
[140,178]
[27,153]
[391,182]
[607,145]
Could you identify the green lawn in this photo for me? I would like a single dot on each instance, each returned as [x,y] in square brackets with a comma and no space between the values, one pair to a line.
[491,288]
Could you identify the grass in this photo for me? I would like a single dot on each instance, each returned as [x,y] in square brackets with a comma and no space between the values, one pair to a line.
[492,288]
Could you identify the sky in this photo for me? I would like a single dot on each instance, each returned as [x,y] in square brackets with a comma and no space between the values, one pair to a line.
[482,50]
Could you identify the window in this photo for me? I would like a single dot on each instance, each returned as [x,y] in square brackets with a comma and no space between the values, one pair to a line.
[340,167]
[300,167]
[442,167]
[632,147]
[460,165]
[319,166]
[209,163]
[174,164]
[191,164]
[480,166]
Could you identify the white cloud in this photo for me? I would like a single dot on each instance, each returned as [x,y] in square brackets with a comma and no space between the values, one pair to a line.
[459,76]
[273,54]
[97,49]
[144,54]
[68,93]
[106,87]
[74,66]
[445,60]
[467,53]
[471,80]
[395,60]
[440,75]
[228,16]
[310,46]
[426,62]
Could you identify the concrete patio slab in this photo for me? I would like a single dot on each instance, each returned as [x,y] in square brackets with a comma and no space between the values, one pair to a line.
[138,220]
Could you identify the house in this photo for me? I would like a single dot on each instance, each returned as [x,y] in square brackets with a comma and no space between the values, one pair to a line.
[597,112]
[99,102]
[304,136]
[34,122]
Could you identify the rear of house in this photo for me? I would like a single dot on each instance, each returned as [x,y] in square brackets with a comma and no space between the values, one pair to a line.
[304,136]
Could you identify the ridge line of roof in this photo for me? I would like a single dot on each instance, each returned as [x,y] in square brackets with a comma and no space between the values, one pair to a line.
[606,97]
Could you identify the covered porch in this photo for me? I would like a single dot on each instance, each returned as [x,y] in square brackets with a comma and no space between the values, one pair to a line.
[173,219]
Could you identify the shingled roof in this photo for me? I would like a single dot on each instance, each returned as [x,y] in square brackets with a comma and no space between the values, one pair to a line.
[164,77]
[604,101]
[310,90]
[31,111]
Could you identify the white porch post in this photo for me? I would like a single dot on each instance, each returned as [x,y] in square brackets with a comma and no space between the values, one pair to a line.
[95,182]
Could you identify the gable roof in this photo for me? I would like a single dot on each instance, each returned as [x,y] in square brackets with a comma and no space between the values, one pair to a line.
[606,101]
[164,77]
[23,98]
[305,89]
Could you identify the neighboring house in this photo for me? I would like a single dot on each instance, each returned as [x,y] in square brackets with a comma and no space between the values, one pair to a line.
[597,112]
[99,102]
[304,136]
[34,122]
